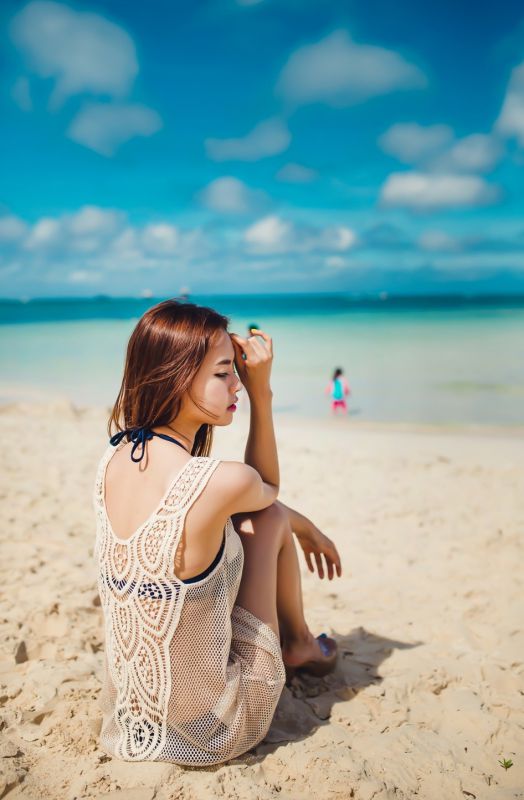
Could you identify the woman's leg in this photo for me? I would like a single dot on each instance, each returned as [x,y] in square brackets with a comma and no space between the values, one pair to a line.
[259,583]
[270,587]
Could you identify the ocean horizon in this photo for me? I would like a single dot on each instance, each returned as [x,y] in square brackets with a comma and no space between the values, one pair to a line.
[105,305]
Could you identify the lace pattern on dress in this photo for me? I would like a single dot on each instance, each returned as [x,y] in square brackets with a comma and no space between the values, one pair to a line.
[142,599]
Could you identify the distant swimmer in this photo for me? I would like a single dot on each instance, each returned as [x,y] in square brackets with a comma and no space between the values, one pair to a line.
[338,389]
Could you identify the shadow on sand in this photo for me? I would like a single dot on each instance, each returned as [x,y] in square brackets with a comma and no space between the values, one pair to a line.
[306,702]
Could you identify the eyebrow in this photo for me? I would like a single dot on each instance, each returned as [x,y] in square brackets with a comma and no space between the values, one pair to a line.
[225,361]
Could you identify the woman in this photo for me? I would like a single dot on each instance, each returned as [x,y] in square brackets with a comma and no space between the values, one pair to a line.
[201,623]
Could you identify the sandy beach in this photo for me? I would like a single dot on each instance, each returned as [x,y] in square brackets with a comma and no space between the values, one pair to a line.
[428,695]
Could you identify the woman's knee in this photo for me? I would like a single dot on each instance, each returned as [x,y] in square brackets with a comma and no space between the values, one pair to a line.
[270,521]
[273,516]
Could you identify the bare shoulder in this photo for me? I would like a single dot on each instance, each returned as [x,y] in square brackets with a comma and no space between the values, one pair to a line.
[238,487]
[234,477]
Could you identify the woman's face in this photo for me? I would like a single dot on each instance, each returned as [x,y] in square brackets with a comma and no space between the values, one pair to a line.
[216,384]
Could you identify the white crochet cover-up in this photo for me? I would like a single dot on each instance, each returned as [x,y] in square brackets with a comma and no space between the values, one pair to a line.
[189,676]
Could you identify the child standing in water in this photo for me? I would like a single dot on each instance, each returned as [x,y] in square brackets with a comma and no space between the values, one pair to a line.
[338,388]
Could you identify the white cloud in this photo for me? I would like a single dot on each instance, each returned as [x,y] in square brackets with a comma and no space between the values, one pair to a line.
[78,246]
[268,138]
[335,263]
[476,153]
[338,71]
[91,220]
[438,241]
[435,148]
[86,244]
[272,234]
[103,237]
[82,52]
[84,276]
[21,94]
[425,192]
[12,228]
[83,249]
[510,122]
[84,231]
[269,235]
[338,238]
[103,127]
[296,173]
[44,234]
[153,246]
[126,247]
[411,143]
[161,238]
[231,196]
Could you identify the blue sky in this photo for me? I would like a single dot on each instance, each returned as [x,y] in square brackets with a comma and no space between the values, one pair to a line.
[234,146]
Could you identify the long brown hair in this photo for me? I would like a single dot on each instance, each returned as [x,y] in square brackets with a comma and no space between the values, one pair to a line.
[164,353]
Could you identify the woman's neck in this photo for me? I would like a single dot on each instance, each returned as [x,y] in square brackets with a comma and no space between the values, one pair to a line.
[185,432]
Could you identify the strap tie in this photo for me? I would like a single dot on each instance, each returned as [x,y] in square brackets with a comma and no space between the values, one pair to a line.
[139,437]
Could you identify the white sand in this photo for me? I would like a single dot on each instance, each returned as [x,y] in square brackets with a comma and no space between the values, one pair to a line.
[429,691]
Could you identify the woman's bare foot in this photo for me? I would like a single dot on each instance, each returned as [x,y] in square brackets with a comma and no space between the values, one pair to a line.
[317,655]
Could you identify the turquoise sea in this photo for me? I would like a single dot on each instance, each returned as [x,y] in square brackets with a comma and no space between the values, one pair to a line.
[424,360]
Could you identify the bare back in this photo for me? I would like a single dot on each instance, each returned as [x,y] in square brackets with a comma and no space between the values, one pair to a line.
[133,492]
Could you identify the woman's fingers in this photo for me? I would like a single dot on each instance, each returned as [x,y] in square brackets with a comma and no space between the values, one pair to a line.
[320,566]
[336,560]
[309,562]
[257,348]
[327,555]
[251,347]
[238,346]
[238,342]
[254,344]
[265,336]
[332,560]
[328,567]
[323,550]
[331,552]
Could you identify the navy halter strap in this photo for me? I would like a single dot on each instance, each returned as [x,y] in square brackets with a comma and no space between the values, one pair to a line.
[139,437]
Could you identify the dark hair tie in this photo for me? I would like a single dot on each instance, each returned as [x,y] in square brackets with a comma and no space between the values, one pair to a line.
[139,436]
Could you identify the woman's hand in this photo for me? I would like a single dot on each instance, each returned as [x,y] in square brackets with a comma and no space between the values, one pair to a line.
[253,360]
[315,545]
